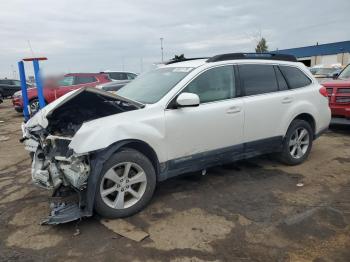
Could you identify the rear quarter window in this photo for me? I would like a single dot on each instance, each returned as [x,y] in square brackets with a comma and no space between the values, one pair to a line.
[295,77]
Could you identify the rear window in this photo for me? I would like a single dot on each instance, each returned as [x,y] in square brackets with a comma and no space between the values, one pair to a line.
[131,76]
[258,79]
[295,77]
[118,75]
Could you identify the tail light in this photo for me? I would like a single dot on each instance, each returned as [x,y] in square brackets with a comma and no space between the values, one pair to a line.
[323,91]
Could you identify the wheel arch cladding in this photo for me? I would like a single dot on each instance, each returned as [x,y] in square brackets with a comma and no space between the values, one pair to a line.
[146,150]
[98,158]
[308,118]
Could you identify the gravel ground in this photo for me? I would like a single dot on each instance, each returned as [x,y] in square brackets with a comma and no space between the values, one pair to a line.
[247,211]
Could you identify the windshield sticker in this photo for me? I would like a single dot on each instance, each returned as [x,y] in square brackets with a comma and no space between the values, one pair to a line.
[183,69]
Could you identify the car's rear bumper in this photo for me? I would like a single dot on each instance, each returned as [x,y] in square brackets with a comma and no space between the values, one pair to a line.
[321,132]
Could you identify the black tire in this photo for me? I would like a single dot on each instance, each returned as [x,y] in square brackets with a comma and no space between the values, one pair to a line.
[286,155]
[34,106]
[126,155]
[19,110]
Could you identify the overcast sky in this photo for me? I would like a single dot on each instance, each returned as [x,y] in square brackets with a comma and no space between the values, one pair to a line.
[87,35]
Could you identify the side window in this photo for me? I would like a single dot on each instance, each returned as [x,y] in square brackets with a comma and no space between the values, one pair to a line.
[214,85]
[258,79]
[66,81]
[282,84]
[6,82]
[295,77]
[84,79]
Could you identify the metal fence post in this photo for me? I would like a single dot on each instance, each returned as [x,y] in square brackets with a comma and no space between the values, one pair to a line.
[22,77]
[39,84]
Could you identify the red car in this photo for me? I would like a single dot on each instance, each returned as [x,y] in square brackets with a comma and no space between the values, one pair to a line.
[339,97]
[63,85]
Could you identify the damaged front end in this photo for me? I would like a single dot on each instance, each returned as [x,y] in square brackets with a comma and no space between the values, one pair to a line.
[55,166]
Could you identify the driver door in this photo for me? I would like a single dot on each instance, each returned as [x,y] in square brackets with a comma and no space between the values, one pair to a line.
[210,132]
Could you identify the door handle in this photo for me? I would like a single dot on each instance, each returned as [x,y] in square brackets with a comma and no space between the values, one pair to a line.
[233,110]
[287,100]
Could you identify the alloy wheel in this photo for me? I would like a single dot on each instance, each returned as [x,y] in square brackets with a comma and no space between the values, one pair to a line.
[299,143]
[34,107]
[123,185]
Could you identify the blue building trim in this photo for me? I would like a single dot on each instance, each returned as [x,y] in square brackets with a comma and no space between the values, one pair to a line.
[317,50]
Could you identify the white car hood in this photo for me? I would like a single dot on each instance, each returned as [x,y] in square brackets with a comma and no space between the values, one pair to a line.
[40,118]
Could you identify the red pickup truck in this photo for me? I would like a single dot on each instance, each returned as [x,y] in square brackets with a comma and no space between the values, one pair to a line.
[53,90]
[339,96]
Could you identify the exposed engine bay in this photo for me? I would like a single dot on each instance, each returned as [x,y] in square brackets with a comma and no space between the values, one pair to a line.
[55,166]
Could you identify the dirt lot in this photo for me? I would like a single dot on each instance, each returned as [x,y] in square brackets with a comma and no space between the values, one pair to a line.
[248,211]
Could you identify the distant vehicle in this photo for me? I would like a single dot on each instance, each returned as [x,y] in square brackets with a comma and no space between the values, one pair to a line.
[113,86]
[339,96]
[8,87]
[54,90]
[120,75]
[325,71]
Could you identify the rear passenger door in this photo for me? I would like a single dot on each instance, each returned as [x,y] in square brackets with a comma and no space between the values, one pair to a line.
[266,102]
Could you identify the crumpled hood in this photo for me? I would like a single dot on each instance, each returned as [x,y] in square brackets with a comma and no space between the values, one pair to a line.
[41,117]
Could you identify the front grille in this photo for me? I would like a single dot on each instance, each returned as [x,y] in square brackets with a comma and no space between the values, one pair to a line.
[343,90]
[342,99]
[329,90]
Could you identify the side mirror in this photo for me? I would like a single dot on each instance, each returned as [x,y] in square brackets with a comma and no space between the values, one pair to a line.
[335,75]
[187,100]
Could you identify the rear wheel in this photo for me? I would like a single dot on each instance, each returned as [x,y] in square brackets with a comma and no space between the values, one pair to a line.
[297,143]
[126,184]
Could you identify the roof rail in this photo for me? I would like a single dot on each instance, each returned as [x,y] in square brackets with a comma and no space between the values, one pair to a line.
[173,61]
[265,56]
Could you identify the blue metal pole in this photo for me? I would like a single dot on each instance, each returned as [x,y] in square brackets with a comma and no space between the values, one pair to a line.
[22,77]
[39,84]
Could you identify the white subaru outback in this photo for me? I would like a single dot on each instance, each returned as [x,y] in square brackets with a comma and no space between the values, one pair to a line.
[106,152]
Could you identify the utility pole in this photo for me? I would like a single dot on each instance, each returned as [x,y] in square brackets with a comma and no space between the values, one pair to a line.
[14,73]
[161,48]
[123,65]
[141,64]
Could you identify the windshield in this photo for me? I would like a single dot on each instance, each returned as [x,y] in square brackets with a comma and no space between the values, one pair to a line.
[345,74]
[150,87]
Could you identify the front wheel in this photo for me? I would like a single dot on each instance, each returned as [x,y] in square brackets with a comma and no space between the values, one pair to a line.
[34,106]
[297,143]
[126,184]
